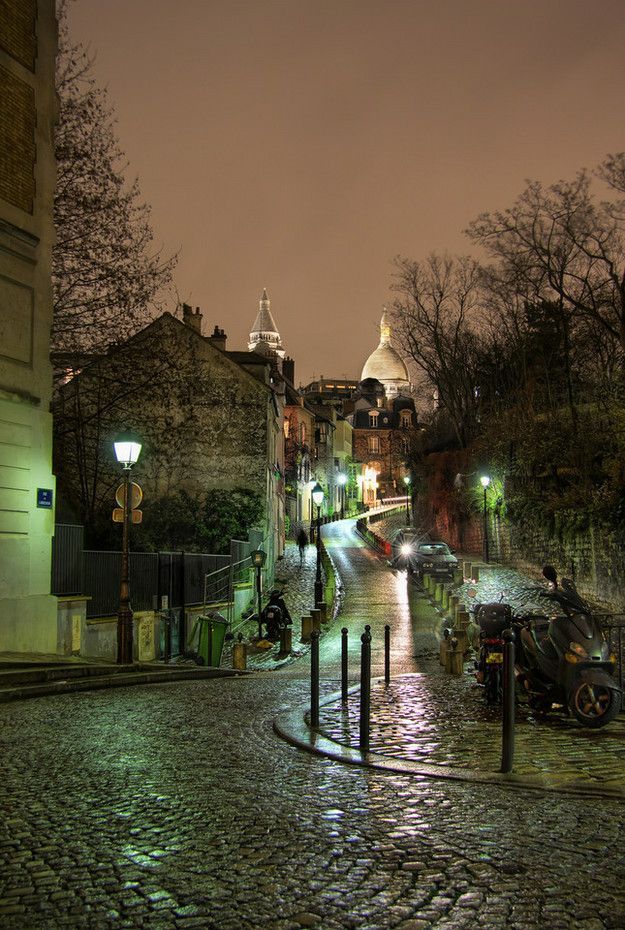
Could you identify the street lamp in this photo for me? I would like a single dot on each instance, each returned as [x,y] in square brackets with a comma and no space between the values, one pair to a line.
[485,482]
[127,450]
[317,496]
[407,480]
[342,481]
[258,558]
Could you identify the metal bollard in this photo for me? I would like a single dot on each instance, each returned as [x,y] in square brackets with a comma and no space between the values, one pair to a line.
[239,654]
[316,619]
[507,729]
[365,689]
[344,633]
[323,611]
[314,679]
[387,655]
[444,647]
[286,641]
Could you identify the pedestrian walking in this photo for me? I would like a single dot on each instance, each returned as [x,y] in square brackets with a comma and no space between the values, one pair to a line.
[302,542]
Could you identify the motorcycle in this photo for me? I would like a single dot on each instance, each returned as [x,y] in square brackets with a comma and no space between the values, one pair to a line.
[492,619]
[565,660]
[275,616]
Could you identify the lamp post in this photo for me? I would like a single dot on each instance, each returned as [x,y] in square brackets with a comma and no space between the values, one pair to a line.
[258,558]
[485,482]
[407,480]
[317,496]
[342,481]
[127,450]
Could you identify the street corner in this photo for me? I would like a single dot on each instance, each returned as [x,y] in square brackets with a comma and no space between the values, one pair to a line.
[438,726]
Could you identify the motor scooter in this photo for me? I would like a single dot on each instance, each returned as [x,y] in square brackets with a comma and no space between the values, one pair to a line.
[275,616]
[492,619]
[565,660]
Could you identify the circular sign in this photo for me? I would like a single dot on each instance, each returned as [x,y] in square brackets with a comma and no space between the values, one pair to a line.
[136,495]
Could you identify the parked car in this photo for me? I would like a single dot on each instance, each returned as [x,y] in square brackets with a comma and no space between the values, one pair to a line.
[418,555]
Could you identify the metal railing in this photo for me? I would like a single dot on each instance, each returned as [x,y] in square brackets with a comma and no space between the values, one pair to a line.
[613,626]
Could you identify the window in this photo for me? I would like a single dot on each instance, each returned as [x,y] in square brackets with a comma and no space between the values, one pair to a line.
[405,445]
[374,443]
[373,418]
[302,433]
[406,419]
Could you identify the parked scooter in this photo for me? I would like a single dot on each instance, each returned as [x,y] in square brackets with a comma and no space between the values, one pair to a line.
[565,660]
[275,616]
[492,619]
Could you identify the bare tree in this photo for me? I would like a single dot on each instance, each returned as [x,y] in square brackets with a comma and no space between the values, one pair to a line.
[437,300]
[564,247]
[108,278]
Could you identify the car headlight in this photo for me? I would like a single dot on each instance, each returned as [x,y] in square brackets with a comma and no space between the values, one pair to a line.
[406,549]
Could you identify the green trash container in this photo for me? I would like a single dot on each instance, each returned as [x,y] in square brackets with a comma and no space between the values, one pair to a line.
[210,631]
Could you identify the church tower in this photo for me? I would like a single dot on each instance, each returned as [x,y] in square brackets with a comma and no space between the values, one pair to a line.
[264,337]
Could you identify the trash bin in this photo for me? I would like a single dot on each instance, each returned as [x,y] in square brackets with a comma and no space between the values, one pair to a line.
[210,631]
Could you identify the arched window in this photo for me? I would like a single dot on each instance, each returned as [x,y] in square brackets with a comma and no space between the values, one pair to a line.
[373,418]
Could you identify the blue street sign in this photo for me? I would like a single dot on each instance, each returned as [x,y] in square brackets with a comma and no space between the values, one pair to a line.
[45,497]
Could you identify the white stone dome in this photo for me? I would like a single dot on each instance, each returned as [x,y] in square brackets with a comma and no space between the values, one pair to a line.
[385,364]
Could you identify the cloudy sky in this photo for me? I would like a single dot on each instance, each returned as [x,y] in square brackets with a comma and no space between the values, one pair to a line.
[299,145]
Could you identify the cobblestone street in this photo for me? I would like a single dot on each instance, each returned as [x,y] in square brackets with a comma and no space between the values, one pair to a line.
[177,806]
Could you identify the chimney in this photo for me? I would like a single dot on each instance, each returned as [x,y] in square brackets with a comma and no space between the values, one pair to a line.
[218,338]
[288,369]
[189,318]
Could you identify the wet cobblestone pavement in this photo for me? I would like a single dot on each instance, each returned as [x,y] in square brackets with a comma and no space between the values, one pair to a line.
[176,806]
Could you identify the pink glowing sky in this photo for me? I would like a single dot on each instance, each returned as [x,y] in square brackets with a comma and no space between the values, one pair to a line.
[299,145]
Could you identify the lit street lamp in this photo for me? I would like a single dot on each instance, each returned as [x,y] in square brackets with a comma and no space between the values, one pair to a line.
[127,449]
[342,481]
[485,482]
[317,496]
[407,483]
[258,558]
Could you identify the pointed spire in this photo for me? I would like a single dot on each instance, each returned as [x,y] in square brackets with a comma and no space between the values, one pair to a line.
[264,298]
[385,328]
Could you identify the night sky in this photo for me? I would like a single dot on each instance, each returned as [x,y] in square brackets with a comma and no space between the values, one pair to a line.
[299,145]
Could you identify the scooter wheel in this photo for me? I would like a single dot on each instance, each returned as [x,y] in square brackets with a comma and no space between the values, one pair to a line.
[594,705]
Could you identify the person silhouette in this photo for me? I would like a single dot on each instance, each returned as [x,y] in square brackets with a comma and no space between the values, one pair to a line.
[302,542]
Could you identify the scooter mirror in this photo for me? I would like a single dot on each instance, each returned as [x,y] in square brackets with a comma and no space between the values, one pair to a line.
[550,574]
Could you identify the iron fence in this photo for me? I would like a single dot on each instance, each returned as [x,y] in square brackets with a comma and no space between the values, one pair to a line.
[614,629]
[182,578]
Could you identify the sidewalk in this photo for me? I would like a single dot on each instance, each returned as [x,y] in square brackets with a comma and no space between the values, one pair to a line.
[432,724]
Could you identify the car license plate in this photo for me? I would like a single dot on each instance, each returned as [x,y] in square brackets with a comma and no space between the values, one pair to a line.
[494,658]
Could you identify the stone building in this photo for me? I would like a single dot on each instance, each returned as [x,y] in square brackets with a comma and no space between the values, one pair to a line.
[209,419]
[28,109]
[384,422]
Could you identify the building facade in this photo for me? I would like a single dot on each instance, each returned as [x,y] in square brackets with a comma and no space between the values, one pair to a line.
[28,108]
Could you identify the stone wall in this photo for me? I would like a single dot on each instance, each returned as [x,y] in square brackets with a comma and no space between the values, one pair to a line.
[593,558]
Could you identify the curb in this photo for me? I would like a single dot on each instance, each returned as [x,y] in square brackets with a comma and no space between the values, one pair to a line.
[120,680]
[293,728]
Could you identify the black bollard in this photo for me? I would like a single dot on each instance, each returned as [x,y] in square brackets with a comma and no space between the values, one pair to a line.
[314,679]
[387,655]
[344,632]
[365,689]
[507,734]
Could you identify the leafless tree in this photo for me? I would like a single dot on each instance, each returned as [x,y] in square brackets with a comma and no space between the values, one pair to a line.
[434,312]
[108,278]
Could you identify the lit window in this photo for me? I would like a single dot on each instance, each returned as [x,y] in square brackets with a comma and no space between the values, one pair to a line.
[406,419]
[373,418]
[374,443]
